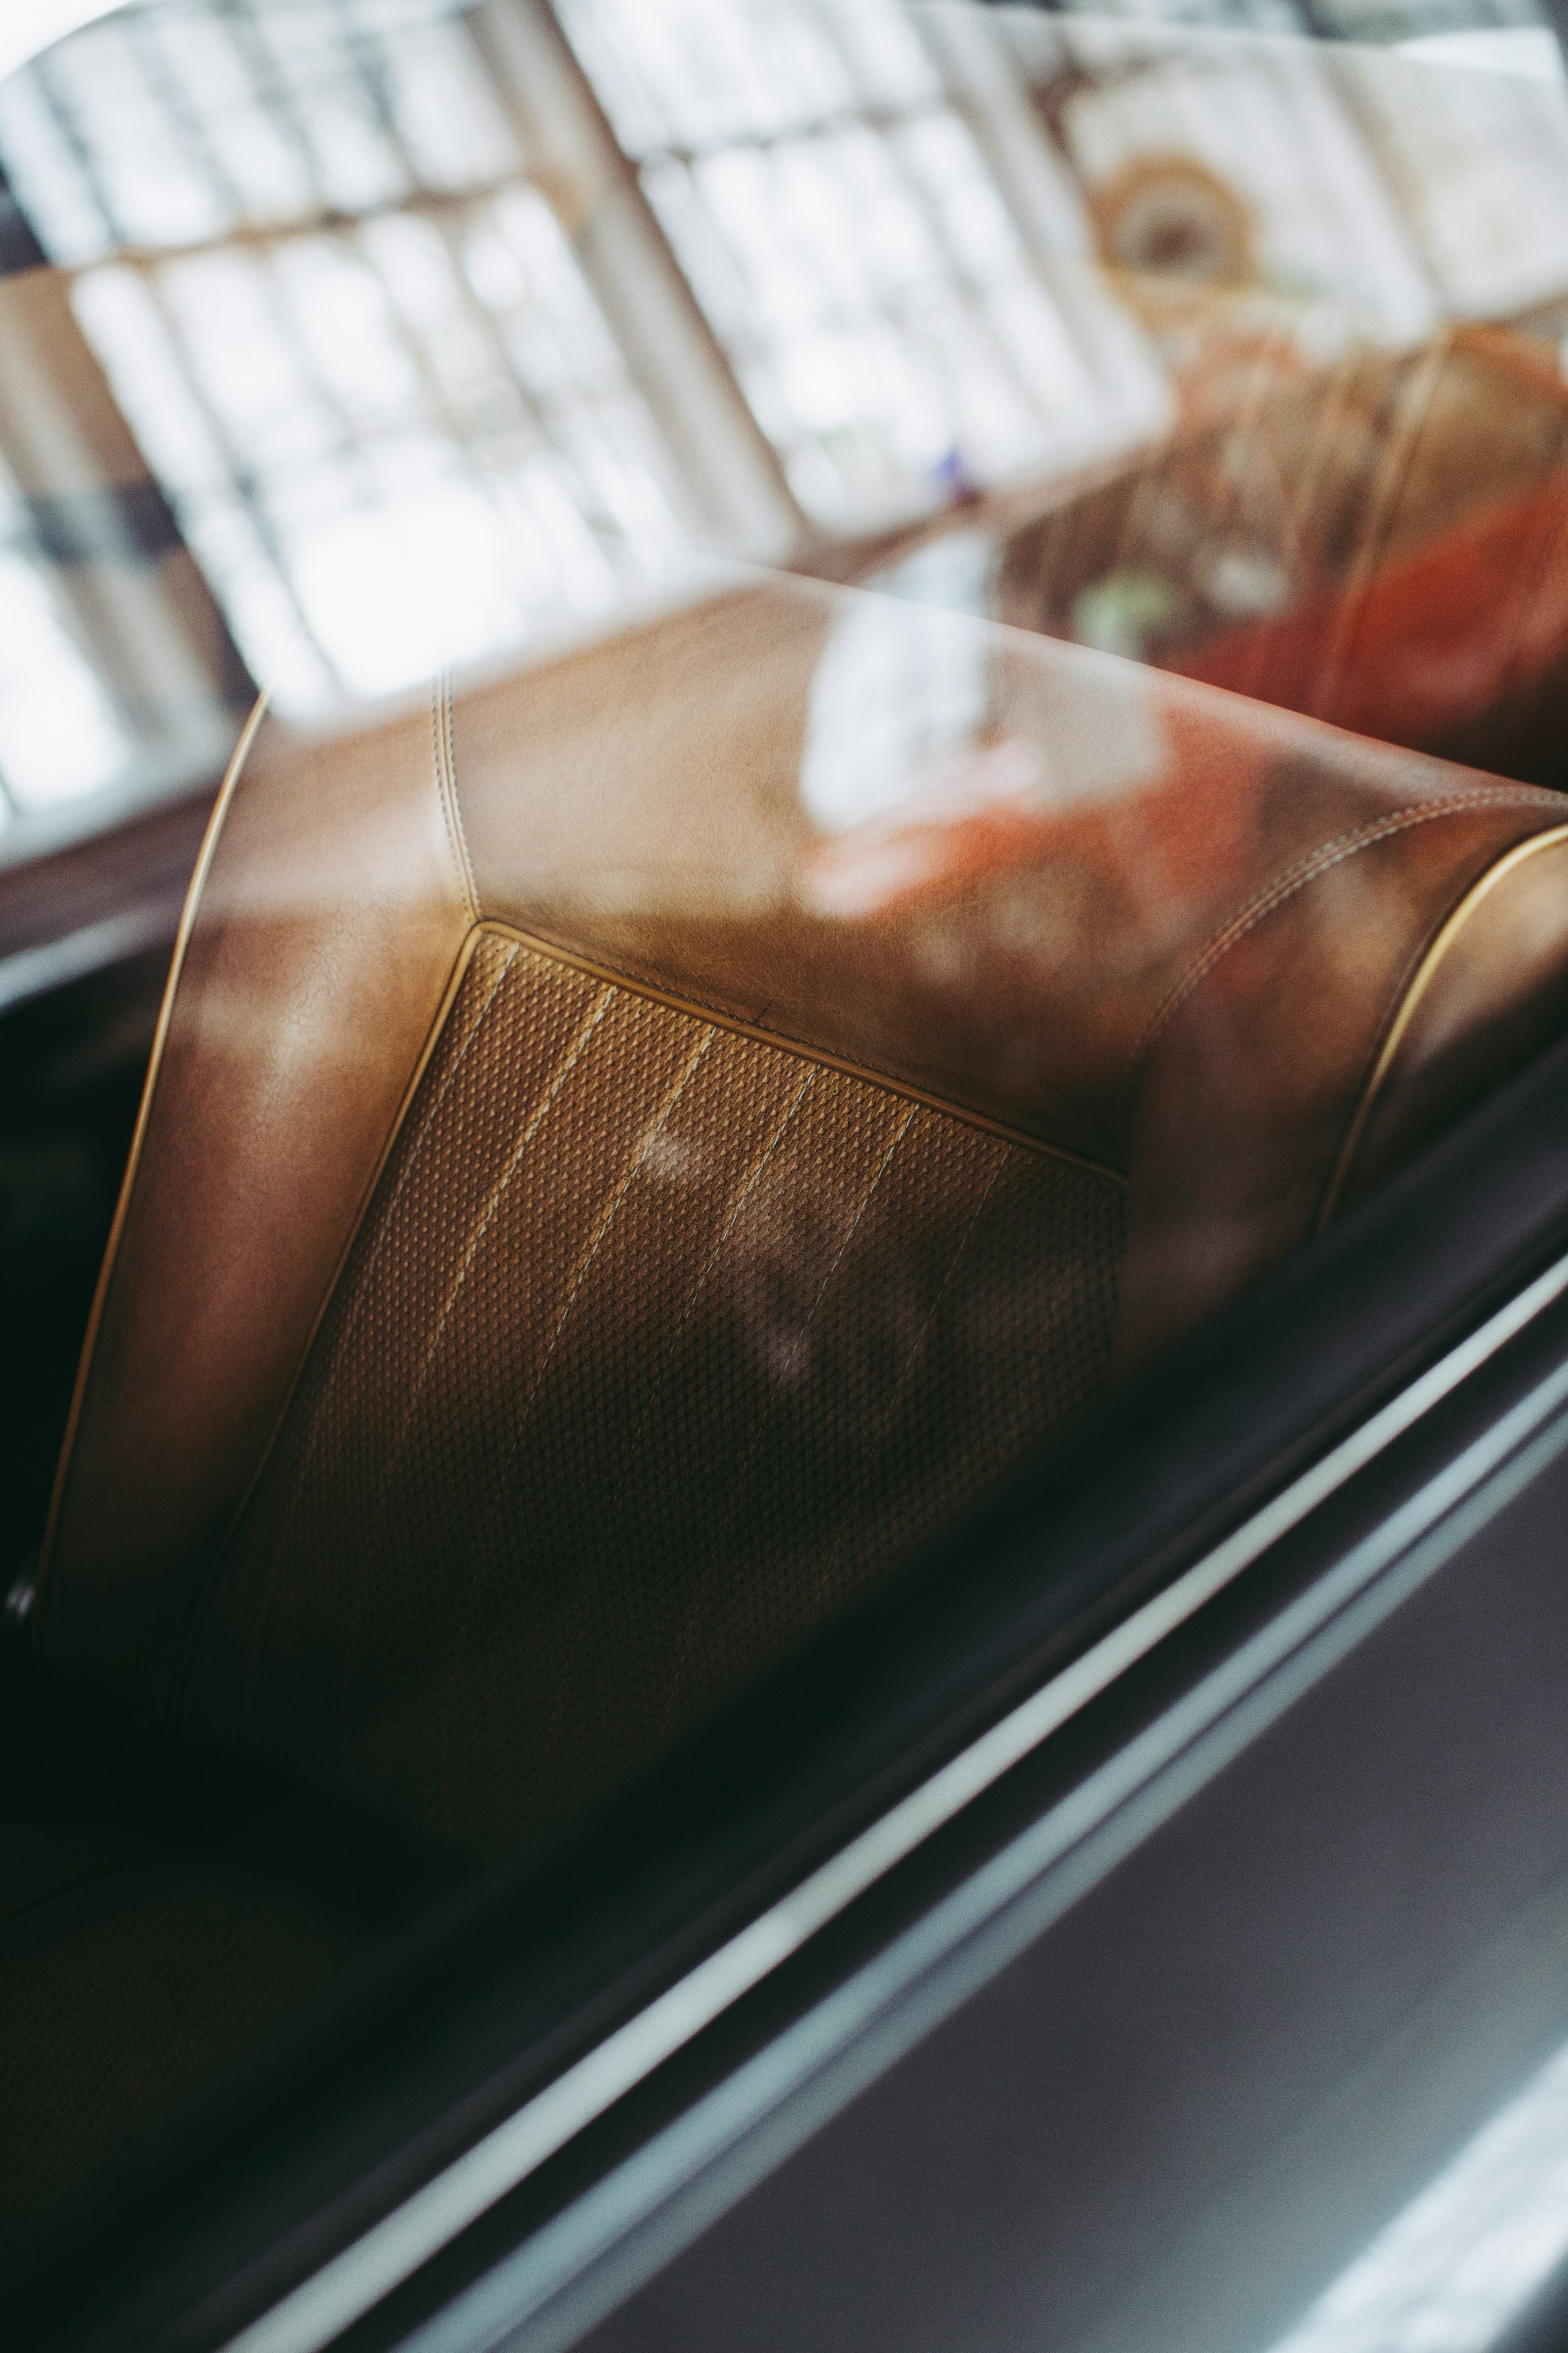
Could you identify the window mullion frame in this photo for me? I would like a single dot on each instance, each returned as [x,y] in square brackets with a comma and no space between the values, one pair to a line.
[732,476]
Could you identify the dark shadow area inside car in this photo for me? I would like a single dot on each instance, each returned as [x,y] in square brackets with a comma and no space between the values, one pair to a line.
[72,1065]
[221,2210]
[638,1151]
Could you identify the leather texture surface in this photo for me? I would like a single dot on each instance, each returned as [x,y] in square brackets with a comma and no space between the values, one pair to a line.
[328,923]
[1491,995]
[133,1975]
[1078,926]
[659,1343]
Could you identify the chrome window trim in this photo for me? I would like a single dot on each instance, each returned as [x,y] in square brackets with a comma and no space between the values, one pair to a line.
[340,2292]
[653,2205]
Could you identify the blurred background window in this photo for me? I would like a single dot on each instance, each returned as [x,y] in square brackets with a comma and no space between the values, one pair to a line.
[350,334]
[59,734]
[836,213]
[341,340]
[376,340]
[1335,20]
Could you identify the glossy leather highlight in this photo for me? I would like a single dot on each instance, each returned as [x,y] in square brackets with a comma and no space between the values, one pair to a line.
[659,1345]
[1147,926]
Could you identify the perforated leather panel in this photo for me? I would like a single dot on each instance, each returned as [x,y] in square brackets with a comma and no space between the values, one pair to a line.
[657,1344]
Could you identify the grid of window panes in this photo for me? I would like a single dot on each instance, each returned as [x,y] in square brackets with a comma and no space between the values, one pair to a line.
[59,733]
[350,334]
[390,407]
[1343,20]
[834,211]
[1243,15]
[1409,20]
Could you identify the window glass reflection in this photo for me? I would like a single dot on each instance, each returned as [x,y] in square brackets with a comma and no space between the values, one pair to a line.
[882,357]
[1453,2271]
[59,733]
[445,330]
[350,333]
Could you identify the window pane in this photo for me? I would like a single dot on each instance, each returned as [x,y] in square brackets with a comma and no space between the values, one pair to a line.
[349,331]
[58,735]
[842,227]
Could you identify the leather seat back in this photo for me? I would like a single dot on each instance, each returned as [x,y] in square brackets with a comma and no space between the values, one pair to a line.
[598,1208]
[659,1342]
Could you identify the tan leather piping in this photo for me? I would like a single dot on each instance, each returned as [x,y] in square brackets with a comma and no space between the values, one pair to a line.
[548,949]
[121,1208]
[433,1038]
[445,755]
[1421,980]
[697,1011]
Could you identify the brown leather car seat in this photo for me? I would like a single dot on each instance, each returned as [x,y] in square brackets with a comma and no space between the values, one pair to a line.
[627,1159]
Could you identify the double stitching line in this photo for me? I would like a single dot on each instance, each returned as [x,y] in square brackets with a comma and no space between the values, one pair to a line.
[316,1409]
[1306,869]
[736,1501]
[608,1209]
[917,1351]
[744,1193]
[444,754]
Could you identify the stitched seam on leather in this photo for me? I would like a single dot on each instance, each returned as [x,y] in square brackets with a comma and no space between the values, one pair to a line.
[432,1112]
[697,1008]
[107,1269]
[543,1104]
[737,1485]
[202,1600]
[608,1212]
[91,1878]
[751,1178]
[457,804]
[1307,869]
[916,1351]
[443,749]
[1419,977]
